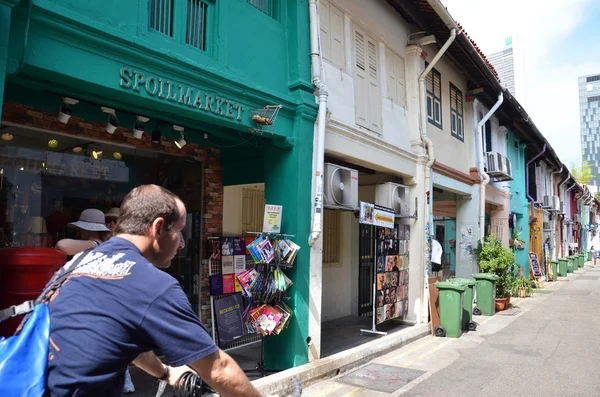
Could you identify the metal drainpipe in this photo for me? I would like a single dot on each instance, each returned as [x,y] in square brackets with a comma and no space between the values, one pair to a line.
[554,254]
[485,178]
[322,123]
[569,229]
[531,200]
[563,216]
[430,160]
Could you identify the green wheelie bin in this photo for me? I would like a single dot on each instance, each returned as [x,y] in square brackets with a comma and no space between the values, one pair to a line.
[554,270]
[589,255]
[570,263]
[580,260]
[467,322]
[485,288]
[451,309]
[562,267]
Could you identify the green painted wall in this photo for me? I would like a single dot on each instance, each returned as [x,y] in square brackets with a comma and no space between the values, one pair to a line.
[104,53]
[518,201]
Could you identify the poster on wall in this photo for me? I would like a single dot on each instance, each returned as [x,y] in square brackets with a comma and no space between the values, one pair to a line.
[392,272]
[272,219]
[466,242]
[228,315]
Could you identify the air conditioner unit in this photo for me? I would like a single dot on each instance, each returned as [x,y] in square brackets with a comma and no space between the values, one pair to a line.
[551,203]
[498,166]
[340,186]
[393,195]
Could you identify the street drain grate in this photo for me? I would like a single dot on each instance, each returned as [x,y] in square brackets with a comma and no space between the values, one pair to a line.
[383,378]
[588,278]
[508,312]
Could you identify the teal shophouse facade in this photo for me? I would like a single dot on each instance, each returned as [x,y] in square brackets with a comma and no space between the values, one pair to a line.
[204,65]
[519,206]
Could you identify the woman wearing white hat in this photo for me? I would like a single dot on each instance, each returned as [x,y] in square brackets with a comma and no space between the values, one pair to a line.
[91,226]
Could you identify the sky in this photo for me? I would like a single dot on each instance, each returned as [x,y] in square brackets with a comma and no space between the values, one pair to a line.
[561,41]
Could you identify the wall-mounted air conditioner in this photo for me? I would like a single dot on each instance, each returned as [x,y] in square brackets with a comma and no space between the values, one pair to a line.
[498,166]
[340,187]
[551,203]
[393,195]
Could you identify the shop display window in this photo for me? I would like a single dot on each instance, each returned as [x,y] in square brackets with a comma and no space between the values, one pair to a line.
[48,179]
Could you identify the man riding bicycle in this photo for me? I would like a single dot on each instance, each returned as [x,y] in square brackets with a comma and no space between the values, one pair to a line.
[117,306]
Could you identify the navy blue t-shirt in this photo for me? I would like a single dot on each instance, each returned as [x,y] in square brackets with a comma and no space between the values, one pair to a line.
[115,306]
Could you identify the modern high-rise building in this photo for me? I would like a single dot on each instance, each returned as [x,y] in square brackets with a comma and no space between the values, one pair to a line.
[508,62]
[589,116]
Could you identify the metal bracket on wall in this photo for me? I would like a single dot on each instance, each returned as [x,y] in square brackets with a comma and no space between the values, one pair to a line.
[413,216]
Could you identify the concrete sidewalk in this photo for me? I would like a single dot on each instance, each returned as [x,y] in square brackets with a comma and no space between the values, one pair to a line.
[466,365]
[412,348]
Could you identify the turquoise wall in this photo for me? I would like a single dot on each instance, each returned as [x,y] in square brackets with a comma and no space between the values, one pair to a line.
[104,53]
[518,201]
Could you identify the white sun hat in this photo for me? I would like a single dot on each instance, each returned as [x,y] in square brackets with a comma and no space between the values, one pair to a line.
[92,220]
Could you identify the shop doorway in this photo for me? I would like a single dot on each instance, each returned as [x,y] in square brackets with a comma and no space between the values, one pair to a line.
[47,180]
[445,234]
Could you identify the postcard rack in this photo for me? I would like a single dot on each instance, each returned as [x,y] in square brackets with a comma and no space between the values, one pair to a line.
[264,296]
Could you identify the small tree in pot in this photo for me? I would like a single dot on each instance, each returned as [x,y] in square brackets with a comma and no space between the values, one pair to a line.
[496,259]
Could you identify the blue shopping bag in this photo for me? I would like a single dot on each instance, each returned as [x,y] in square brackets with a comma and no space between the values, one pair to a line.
[24,357]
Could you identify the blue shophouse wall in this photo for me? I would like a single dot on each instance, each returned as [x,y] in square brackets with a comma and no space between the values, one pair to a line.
[518,201]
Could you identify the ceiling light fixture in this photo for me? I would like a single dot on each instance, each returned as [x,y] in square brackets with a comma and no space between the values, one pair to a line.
[77,149]
[113,122]
[117,156]
[181,142]
[64,114]
[7,136]
[156,134]
[52,143]
[138,127]
[96,154]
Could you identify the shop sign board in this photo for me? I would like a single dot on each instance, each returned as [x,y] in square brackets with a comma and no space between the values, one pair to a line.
[228,315]
[184,95]
[376,215]
[272,219]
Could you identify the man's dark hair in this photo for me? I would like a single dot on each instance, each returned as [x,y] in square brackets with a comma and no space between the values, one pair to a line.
[143,205]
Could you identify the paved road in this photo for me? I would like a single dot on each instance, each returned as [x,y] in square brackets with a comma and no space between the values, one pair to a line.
[549,346]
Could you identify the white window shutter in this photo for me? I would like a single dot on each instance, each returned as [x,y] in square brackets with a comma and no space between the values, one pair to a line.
[400,88]
[360,79]
[336,25]
[325,28]
[374,92]
[390,66]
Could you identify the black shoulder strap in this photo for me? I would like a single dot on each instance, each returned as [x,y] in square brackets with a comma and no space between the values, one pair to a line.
[27,307]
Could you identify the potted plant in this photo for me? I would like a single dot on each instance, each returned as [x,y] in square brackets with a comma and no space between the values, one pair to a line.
[515,241]
[496,259]
[521,287]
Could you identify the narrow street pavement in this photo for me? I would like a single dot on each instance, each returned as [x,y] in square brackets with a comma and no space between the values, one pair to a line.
[546,345]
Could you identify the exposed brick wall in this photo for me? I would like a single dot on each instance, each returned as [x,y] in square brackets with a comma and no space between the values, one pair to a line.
[210,157]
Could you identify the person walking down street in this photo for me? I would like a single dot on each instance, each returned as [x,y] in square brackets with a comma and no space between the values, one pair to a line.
[117,306]
[91,229]
[594,255]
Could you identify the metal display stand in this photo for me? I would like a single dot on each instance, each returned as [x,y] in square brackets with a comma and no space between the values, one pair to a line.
[260,365]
